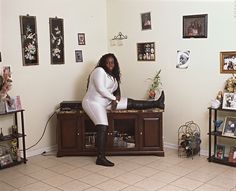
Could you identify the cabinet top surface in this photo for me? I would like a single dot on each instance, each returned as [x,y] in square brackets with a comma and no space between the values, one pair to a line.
[119,111]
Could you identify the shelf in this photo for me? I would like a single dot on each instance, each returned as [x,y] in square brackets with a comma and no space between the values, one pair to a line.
[10,137]
[12,112]
[221,161]
[219,134]
[6,160]
[14,163]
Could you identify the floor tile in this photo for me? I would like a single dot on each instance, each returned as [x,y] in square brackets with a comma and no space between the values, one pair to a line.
[111,185]
[130,173]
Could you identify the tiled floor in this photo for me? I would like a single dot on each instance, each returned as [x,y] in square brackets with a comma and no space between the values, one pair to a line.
[131,173]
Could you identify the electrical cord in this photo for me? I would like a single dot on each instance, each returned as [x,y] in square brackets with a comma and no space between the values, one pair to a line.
[43,130]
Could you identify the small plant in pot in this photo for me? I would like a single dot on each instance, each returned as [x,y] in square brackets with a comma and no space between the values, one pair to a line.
[155,85]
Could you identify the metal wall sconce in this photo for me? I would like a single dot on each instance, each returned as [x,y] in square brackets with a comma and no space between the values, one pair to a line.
[120,36]
[117,40]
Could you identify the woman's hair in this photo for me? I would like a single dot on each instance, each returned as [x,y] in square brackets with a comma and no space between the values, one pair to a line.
[116,71]
[102,63]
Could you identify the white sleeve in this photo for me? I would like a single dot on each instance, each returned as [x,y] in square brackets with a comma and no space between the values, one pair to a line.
[99,81]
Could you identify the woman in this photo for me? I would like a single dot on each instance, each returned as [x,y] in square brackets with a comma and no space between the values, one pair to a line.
[103,93]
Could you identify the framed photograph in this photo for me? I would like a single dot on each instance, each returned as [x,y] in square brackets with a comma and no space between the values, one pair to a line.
[146,51]
[5,160]
[228,62]
[81,38]
[78,56]
[183,59]
[229,128]
[229,101]
[146,21]
[232,154]
[220,151]
[29,40]
[13,104]
[57,41]
[195,26]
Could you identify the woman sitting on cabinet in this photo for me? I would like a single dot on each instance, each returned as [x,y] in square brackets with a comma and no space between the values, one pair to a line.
[103,93]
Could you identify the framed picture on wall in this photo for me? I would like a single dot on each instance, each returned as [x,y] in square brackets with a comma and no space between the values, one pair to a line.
[146,51]
[57,40]
[195,26]
[228,62]
[78,56]
[81,38]
[146,21]
[29,40]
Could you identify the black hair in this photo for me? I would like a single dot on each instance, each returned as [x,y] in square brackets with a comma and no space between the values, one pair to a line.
[102,63]
[116,71]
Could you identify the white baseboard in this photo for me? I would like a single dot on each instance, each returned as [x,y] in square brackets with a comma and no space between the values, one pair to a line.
[54,148]
[40,151]
[174,146]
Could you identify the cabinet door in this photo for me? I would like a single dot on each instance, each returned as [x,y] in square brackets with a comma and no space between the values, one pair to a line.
[69,134]
[122,132]
[89,134]
[151,132]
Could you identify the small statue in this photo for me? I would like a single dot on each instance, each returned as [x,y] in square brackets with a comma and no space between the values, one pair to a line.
[217,124]
[220,96]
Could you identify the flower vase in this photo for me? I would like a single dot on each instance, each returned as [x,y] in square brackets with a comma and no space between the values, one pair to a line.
[151,94]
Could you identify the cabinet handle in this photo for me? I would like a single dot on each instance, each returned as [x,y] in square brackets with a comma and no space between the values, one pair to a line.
[78,133]
[141,133]
[151,119]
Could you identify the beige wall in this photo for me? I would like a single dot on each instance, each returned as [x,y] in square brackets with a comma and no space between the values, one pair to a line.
[188,92]
[44,86]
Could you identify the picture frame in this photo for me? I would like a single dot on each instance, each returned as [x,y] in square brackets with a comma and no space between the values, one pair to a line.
[5,160]
[29,40]
[232,154]
[229,127]
[146,51]
[228,62]
[78,56]
[13,104]
[81,38]
[195,26]
[229,101]
[146,21]
[219,151]
[57,40]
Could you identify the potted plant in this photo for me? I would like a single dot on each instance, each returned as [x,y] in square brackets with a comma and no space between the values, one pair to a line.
[155,85]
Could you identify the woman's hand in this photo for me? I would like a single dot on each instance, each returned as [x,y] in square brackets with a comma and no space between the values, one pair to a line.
[114,104]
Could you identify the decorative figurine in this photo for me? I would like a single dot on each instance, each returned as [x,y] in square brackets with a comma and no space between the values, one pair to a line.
[217,124]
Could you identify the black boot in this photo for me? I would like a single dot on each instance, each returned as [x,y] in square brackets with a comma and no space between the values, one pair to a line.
[101,145]
[144,104]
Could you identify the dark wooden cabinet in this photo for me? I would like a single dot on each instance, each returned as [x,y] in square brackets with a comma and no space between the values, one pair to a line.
[129,133]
